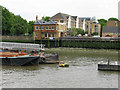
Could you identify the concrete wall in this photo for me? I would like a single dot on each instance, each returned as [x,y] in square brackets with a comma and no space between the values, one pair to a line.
[17,38]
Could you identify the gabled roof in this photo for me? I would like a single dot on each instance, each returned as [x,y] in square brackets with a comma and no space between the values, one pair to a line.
[41,22]
[110,29]
[62,16]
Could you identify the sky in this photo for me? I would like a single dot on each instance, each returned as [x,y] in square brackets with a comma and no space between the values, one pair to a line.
[28,9]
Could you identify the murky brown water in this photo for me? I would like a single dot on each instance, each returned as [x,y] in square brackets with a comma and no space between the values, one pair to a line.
[82,72]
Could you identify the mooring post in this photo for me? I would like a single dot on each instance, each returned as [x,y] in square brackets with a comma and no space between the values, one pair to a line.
[108,62]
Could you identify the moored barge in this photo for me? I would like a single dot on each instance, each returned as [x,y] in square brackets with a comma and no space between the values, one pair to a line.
[18,59]
[109,67]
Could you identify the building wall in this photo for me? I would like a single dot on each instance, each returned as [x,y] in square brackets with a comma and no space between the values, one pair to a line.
[112,23]
[109,34]
[90,27]
[56,33]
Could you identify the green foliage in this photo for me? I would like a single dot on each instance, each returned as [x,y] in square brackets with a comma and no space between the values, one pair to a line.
[95,33]
[76,31]
[30,27]
[47,18]
[72,32]
[86,32]
[80,31]
[114,19]
[15,24]
[103,22]
[12,31]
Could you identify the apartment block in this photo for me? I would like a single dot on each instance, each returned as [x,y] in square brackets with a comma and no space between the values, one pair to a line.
[86,23]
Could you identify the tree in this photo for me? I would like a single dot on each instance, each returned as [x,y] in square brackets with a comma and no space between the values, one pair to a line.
[72,32]
[80,31]
[12,31]
[95,33]
[47,18]
[103,22]
[13,24]
[30,27]
[114,19]
[86,32]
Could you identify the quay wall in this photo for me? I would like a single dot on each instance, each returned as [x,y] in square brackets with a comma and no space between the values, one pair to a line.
[96,43]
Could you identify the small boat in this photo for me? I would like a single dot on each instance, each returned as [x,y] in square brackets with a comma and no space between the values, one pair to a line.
[109,66]
[18,59]
[62,64]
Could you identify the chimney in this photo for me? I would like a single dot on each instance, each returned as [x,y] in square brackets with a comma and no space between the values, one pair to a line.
[43,18]
[36,17]
[59,19]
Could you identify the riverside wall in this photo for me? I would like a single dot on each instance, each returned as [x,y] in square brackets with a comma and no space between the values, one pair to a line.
[70,42]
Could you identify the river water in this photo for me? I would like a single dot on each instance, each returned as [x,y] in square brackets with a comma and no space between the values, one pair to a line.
[82,72]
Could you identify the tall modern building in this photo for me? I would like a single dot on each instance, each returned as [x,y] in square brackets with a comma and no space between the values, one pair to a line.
[119,10]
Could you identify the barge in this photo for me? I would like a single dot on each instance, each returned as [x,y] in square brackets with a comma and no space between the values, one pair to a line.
[109,67]
[18,59]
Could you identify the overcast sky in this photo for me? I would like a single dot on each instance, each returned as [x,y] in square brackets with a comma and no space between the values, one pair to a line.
[28,9]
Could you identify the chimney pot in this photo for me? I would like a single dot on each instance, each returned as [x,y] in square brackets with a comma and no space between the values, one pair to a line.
[36,17]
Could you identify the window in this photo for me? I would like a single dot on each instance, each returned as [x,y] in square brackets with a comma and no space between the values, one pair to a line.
[49,35]
[39,27]
[56,27]
[46,27]
[61,27]
[45,34]
[36,27]
[61,21]
[53,27]
[52,35]
[36,34]
[42,27]
[49,27]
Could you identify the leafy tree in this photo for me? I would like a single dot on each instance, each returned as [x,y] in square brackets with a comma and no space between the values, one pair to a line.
[103,22]
[80,31]
[72,32]
[114,19]
[47,18]
[15,24]
[30,27]
[12,31]
[86,32]
[95,33]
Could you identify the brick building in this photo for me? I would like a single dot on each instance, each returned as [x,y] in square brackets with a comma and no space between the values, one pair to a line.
[44,29]
[111,29]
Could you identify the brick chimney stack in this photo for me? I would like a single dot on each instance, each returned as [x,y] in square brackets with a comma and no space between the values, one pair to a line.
[43,18]
[59,19]
[36,17]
